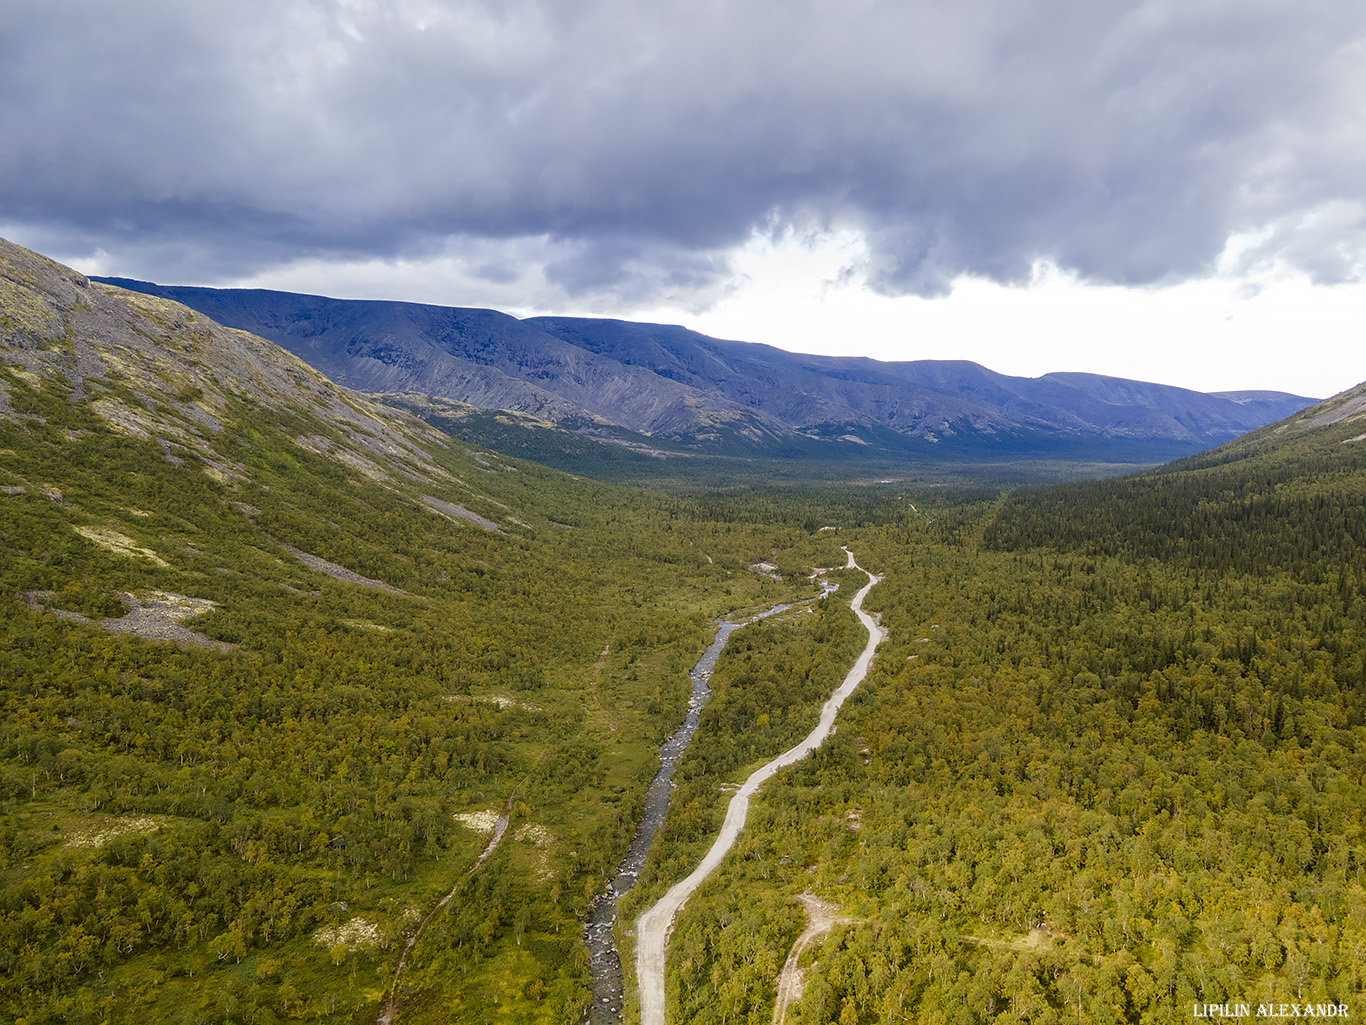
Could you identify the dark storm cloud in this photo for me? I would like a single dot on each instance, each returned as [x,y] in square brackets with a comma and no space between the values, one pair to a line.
[635,143]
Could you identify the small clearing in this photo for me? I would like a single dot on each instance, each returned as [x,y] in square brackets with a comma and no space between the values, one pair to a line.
[533,834]
[500,700]
[121,544]
[479,821]
[362,624]
[538,837]
[98,836]
[357,934]
[1039,937]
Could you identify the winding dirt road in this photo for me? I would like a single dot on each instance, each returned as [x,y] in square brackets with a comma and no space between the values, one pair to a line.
[652,928]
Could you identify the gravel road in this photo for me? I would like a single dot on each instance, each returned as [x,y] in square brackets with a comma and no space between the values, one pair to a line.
[652,928]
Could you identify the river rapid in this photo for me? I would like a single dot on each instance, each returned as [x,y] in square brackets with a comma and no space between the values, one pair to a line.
[602,913]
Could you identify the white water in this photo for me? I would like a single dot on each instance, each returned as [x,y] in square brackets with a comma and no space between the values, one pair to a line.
[652,928]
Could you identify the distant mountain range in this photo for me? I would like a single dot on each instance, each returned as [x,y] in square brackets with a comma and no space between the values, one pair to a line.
[671,389]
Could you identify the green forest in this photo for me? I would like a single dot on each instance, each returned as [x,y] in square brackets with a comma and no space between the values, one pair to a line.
[1109,764]
[278,677]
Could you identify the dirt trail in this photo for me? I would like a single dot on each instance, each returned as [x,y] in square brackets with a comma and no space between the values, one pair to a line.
[820,919]
[500,827]
[652,928]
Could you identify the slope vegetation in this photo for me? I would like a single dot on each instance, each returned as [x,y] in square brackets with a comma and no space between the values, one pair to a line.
[274,661]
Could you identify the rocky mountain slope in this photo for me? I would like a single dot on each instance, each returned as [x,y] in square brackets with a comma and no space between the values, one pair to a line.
[672,385]
[151,369]
[481,357]
[1346,407]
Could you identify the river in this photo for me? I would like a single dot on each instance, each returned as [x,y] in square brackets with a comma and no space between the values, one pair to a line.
[602,913]
[652,929]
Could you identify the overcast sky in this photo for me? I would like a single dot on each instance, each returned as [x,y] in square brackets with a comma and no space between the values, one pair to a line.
[1173,191]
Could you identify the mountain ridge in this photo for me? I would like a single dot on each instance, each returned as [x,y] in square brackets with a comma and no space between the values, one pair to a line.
[669,383]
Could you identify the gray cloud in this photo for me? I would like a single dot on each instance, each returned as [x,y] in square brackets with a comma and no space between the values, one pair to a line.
[625,147]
